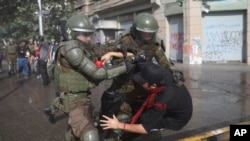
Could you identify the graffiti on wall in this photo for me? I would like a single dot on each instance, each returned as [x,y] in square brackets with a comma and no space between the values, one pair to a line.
[176,40]
[223,41]
[176,43]
[195,54]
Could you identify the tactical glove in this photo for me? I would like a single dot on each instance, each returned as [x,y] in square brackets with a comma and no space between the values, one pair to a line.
[130,66]
[178,78]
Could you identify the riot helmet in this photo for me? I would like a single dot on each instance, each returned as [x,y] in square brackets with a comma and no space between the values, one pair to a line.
[78,24]
[146,23]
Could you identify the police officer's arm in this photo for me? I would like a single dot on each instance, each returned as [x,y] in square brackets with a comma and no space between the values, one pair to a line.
[75,56]
[113,123]
[162,59]
[163,62]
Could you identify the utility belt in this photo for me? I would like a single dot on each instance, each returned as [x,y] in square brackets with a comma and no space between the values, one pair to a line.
[65,99]
[78,92]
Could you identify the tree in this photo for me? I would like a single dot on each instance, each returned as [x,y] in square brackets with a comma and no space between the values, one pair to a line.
[18,20]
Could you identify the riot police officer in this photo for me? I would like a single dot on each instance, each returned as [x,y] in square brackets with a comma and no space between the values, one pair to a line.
[75,74]
[11,55]
[142,41]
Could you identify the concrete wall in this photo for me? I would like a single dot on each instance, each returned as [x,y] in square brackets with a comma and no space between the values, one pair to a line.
[192,19]
[192,30]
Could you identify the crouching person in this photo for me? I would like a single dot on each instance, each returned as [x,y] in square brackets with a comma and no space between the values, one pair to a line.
[167,106]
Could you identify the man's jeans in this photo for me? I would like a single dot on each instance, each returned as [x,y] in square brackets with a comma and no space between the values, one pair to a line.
[23,66]
[42,68]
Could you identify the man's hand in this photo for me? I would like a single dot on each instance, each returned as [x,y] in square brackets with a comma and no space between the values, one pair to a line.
[110,123]
[106,57]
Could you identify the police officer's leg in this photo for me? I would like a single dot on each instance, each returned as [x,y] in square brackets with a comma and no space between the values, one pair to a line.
[9,65]
[12,67]
[15,66]
[9,68]
[59,104]
[81,120]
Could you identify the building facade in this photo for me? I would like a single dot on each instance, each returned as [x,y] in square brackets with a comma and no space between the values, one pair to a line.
[194,31]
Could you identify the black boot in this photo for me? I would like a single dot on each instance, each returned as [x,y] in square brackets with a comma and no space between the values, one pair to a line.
[47,111]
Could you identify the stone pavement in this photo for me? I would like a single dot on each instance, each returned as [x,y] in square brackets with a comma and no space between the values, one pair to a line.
[220,92]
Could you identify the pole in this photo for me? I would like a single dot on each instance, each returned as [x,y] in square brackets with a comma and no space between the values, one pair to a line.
[40,15]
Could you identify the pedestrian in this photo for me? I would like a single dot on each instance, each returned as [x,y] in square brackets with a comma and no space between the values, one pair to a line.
[143,42]
[35,61]
[43,60]
[11,55]
[31,57]
[75,75]
[22,51]
[51,62]
[167,106]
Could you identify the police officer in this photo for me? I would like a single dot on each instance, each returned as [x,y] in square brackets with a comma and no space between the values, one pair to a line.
[144,43]
[11,55]
[75,75]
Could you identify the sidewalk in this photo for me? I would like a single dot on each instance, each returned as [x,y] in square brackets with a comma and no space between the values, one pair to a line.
[221,96]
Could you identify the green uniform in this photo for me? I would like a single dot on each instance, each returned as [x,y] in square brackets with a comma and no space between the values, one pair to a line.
[11,55]
[123,83]
[75,74]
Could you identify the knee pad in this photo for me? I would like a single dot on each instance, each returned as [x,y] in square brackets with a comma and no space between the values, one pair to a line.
[122,118]
[91,135]
[69,137]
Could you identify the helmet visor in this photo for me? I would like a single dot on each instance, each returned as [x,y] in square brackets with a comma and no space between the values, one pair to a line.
[83,30]
[146,30]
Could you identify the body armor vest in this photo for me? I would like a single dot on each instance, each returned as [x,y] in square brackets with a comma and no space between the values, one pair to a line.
[11,49]
[123,83]
[69,79]
[32,48]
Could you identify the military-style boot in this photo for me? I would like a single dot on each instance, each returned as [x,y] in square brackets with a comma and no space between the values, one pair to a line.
[51,116]
[9,68]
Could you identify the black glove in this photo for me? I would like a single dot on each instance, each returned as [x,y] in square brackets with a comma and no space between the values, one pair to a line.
[178,77]
[130,66]
[140,57]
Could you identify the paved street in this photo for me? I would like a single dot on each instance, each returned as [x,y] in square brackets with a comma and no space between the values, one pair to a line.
[220,92]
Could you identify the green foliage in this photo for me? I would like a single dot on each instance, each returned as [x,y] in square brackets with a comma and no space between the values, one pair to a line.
[19,21]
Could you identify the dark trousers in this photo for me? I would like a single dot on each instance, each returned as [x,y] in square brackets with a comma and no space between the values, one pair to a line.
[42,68]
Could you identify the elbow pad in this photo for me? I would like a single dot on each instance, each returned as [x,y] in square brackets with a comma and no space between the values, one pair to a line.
[75,56]
[117,70]
[89,68]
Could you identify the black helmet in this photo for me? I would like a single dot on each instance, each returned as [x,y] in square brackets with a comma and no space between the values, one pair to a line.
[77,23]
